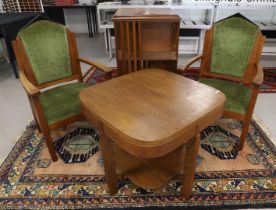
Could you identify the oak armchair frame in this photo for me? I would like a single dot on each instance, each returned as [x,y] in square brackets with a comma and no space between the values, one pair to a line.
[33,89]
[253,77]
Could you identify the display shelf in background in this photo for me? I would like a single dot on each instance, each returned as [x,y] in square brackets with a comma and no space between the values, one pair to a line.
[194,17]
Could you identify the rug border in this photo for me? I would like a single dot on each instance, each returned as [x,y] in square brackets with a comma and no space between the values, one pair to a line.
[75,205]
[5,165]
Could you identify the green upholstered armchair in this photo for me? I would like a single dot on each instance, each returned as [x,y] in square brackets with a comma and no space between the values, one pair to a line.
[48,58]
[230,63]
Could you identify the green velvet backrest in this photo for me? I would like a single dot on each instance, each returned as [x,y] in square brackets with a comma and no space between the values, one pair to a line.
[232,45]
[47,49]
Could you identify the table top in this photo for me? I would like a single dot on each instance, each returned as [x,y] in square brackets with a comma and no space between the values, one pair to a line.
[153,107]
[145,13]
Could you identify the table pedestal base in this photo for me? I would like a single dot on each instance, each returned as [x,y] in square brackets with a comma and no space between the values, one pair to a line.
[151,173]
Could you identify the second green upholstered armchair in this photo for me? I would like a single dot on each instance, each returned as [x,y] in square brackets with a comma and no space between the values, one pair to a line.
[48,59]
[230,63]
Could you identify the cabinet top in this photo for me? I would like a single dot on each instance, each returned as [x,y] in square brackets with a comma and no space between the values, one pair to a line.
[145,14]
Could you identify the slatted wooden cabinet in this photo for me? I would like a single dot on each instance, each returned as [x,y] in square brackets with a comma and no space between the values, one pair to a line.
[146,38]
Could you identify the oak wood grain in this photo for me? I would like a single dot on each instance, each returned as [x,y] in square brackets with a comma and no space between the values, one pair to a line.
[146,13]
[150,116]
[95,64]
[259,78]
[190,165]
[109,161]
[150,172]
[144,36]
[152,105]
[28,86]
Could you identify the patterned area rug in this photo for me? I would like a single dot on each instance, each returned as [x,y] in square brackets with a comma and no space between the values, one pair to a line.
[29,180]
[268,86]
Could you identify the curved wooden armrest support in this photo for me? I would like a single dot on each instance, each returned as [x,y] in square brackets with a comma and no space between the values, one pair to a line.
[191,61]
[259,78]
[97,65]
[28,86]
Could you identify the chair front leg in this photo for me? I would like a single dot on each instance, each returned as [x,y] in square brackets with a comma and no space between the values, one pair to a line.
[45,129]
[245,129]
[248,117]
[35,115]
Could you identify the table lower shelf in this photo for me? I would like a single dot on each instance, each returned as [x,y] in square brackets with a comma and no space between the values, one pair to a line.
[151,173]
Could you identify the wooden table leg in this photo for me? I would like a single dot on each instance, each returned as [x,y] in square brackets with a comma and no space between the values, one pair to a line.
[109,162]
[189,166]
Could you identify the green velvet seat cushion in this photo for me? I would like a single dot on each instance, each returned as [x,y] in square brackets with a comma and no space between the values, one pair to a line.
[47,49]
[61,102]
[233,41]
[237,95]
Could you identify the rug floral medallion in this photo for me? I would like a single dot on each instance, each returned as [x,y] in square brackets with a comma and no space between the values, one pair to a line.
[30,180]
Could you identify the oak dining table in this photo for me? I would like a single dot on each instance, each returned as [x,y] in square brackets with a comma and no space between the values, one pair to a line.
[149,123]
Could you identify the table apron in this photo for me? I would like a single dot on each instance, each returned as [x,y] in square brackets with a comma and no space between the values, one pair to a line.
[91,117]
[149,151]
[158,150]
[210,118]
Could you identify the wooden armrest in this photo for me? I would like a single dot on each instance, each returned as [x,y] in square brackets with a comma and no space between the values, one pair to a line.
[97,65]
[28,86]
[259,78]
[191,61]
